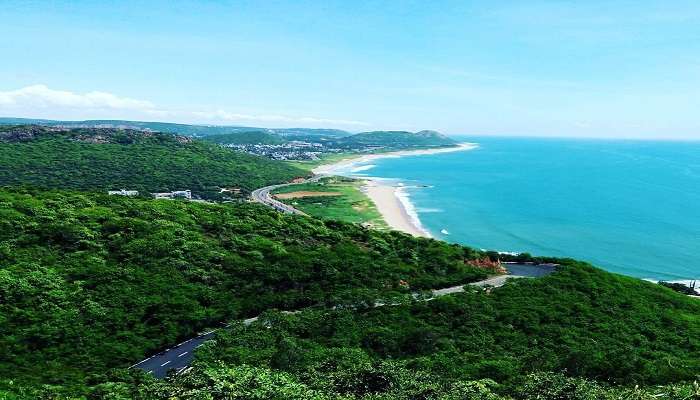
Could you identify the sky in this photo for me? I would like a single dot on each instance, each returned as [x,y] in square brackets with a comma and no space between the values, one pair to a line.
[609,69]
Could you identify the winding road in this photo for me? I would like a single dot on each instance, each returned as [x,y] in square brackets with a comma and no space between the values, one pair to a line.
[180,357]
[263,196]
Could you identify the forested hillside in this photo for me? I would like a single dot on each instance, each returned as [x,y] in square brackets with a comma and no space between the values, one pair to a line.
[92,282]
[398,139]
[111,159]
[579,334]
[581,320]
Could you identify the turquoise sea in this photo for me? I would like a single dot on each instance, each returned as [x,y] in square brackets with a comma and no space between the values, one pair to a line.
[631,207]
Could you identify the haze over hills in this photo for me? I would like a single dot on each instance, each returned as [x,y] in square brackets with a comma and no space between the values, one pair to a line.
[394,138]
[246,137]
[400,138]
[300,144]
[181,129]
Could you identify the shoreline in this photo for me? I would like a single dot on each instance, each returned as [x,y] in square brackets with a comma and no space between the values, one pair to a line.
[331,168]
[393,208]
[391,199]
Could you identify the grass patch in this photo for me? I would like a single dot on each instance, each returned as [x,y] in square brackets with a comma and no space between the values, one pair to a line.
[349,205]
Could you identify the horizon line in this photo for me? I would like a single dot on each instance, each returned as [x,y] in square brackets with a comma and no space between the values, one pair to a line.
[475,135]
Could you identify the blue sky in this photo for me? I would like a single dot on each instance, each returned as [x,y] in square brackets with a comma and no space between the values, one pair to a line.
[551,68]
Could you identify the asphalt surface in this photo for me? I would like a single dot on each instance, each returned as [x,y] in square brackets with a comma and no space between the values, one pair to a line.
[179,357]
[263,196]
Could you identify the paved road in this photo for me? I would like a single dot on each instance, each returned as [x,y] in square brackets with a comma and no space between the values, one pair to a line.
[179,357]
[263,196]
[496,281]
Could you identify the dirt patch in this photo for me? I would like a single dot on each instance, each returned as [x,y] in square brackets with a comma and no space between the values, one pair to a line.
[300,194]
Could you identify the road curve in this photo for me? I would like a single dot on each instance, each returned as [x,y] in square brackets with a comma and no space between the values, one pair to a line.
[263,196]
[180,356]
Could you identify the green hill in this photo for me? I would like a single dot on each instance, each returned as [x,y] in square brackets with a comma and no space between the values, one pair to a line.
[180,129]
[311,132]
[580,333]
[246,137]
[580,320]
[109,159]
[399,139]
[93,282]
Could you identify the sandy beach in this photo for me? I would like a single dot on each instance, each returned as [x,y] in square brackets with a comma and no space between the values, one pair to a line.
[388,203]
[390,199]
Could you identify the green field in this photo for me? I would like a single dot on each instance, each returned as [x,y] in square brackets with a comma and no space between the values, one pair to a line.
[350,205]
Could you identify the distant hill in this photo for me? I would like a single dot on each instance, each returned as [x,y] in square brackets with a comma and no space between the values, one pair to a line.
[311,132]
[107,159]
[400,139]
[180,129]
[246,137]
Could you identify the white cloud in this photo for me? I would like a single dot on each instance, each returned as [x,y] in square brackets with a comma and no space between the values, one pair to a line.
[42,96]
[40,101]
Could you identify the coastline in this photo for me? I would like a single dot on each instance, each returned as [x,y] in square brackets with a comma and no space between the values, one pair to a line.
[333,167]
[390,198]
[393,207]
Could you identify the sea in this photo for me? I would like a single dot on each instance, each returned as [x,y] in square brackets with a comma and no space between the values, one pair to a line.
[631,207]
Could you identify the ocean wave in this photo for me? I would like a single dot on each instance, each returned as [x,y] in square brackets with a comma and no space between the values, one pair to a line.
[404,197]
[362,168]
[430,210]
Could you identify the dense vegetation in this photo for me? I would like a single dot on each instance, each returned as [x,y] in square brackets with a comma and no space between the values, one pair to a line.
[680,288]
[90,282]
[345,375]
[580,333]
[246,137]
[581,320]
[110,159]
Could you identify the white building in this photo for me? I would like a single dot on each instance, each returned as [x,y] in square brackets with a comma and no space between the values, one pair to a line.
[123,192]
[186,194]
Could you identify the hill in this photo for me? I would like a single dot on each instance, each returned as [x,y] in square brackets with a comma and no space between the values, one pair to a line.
[580,320]
[246,137]
[311,132]
[180,129]
[108,159]
[93,282]
[399,139]
[580,333]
